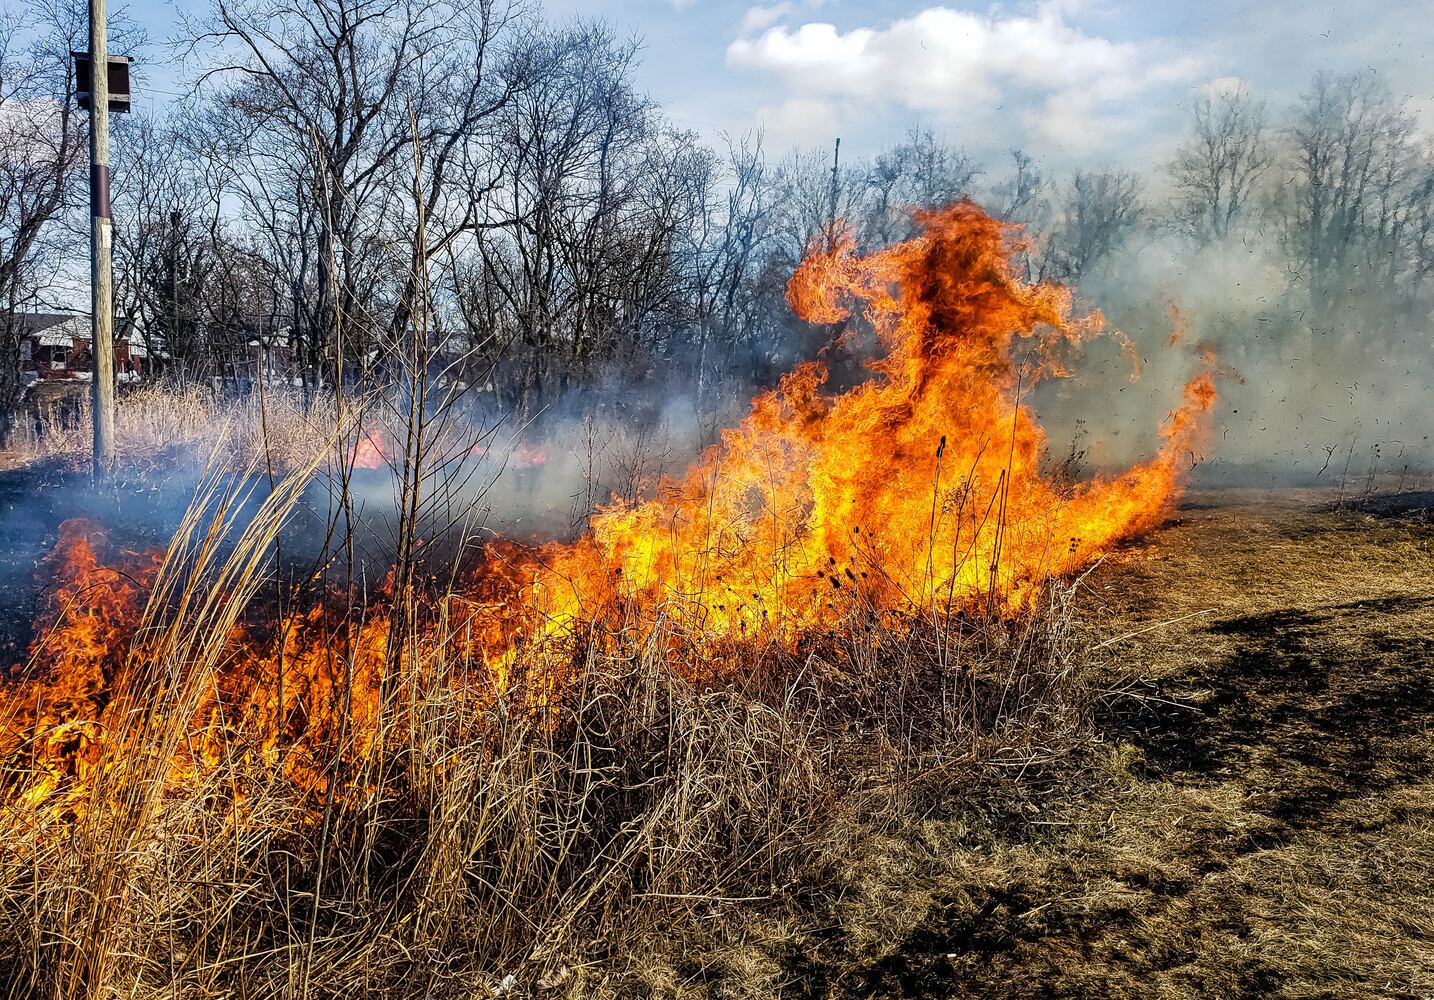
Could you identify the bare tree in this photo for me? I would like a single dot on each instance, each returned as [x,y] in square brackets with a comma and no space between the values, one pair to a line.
[319,105]
[728,246]
[1419,227]
[1216,172]
[577,144]
[167,223]
[1352,143]
[804,183]
[1020,197]
[918,173]
[42,149]
[1100,210]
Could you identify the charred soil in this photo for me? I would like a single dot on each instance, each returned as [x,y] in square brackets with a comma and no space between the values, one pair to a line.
[1258,819]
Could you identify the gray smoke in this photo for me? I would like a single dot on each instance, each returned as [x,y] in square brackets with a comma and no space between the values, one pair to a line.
[1316,397]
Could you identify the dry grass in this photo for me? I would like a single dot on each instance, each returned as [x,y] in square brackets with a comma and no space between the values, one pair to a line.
[1204,770]
[662,828]
[154,424]
[1257,819]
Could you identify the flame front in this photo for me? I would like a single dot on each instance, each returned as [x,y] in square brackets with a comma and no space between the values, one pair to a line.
[920,491]
[51,724]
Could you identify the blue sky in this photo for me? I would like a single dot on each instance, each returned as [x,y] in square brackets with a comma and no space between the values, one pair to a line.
[1073,81]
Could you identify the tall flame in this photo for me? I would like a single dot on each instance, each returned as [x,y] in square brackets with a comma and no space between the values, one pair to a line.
[918,491]
[922,487]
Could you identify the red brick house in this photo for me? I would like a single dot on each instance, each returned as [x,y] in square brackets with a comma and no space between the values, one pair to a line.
[55,347]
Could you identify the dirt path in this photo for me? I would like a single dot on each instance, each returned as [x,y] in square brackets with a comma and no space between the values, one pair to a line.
[1265,825]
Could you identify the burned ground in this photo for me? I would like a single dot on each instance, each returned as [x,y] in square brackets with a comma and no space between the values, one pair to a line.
[1262,820]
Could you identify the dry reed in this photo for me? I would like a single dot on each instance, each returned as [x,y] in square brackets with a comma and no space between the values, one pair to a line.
[155,423]
[478,845]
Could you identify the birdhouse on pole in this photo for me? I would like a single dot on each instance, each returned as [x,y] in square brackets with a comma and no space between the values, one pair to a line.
[118,81]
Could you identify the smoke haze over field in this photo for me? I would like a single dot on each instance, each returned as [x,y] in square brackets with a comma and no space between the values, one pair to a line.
[1297,396]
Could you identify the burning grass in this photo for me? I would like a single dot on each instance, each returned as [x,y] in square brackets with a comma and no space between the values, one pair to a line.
[1236,801]
[923,488]
[545,761]
[455,840]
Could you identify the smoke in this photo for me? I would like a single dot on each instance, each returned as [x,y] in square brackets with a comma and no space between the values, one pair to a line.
[1306,398]
[545,478]
[492,474]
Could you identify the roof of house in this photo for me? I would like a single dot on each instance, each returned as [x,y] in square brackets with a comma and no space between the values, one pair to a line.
[63,329]
[37,323]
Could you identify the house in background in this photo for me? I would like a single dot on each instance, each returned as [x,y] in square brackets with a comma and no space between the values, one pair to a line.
[248,348]
[55,347]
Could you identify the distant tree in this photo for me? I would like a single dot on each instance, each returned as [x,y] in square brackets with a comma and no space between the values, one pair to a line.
[1217,170]
[1020,198]
[737,243]
[319,106]
[1419,227]
[42,154]
[919,172]
[1099,212]
[803,184]
[577,143]
[1353,163]
[167,219]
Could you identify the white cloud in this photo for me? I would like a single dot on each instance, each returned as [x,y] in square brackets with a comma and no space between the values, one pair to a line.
[801,121]
[758,18]
[761,17]
[946,63]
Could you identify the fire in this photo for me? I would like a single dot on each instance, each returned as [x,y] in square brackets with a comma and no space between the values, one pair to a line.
[918,492]
[529,456]
[51,726]
[373,449]
[300,694]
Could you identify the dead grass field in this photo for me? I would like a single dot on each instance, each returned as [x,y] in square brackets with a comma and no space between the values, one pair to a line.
[155,424]
[1257,815]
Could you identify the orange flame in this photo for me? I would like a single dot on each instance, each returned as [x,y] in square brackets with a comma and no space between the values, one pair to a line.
[919,491]
[920,488]
[91,612]
[372,450]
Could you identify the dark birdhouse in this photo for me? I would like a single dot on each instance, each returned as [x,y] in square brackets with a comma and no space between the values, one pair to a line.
[118,79]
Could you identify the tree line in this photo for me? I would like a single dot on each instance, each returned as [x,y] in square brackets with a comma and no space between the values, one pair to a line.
[370,185]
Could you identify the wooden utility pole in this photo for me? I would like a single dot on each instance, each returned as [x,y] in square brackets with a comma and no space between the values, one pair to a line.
[101,275]
[835,190]
[174,218]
